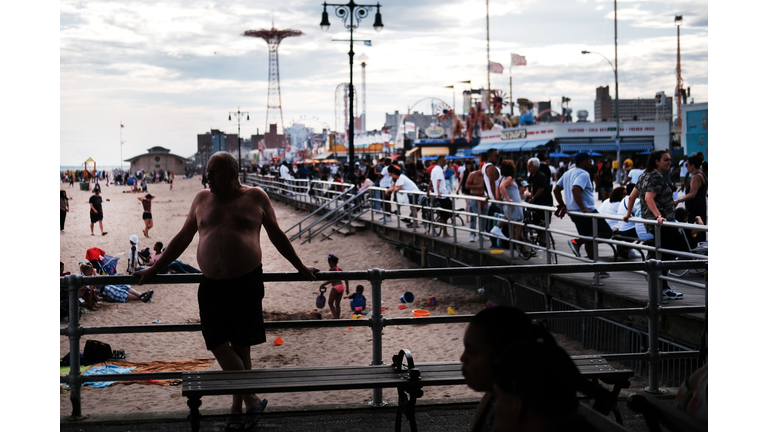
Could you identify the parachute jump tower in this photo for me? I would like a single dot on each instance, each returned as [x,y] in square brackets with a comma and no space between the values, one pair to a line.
[273,37]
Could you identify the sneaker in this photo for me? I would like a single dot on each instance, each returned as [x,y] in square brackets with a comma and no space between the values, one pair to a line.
[603,275]
[62,231]
[574,247]
[498,232]
[671,294]
[472,237]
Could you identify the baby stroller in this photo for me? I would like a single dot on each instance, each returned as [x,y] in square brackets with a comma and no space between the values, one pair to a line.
[108,266]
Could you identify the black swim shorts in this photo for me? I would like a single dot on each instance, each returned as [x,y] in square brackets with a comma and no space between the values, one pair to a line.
[146,215]
[95,217]
[230,310]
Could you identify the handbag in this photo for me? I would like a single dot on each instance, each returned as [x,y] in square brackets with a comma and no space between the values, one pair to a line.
[96,352]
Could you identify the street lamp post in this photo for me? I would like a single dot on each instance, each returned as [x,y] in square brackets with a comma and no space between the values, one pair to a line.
[616,108]
[239,115]
[351,13]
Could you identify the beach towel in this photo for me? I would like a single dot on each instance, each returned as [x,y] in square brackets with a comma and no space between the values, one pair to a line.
[106,369]
[153,366]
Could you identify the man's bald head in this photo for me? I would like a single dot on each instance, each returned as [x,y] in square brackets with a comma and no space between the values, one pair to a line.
[222,173]
[226,158]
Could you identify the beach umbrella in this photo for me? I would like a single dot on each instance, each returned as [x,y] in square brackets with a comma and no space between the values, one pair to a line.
[427,158]
[557,154]
[595,154]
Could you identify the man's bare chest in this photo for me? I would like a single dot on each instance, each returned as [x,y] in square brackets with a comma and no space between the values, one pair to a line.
[236,215]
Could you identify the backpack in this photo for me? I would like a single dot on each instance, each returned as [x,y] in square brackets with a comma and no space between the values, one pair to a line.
[96,352]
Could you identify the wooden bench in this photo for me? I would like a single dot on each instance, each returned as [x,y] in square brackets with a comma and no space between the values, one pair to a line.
[408,378]
[657,413]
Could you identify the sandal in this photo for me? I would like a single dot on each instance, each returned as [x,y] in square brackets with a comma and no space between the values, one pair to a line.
[147,296]
[252,415]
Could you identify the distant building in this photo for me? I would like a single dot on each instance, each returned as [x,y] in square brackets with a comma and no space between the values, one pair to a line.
[421,122]
[158,159]
[629,109]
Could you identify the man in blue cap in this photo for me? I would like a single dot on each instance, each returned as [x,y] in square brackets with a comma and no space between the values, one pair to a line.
[580,197]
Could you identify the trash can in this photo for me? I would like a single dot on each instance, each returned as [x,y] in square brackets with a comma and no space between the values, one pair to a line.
[84,186]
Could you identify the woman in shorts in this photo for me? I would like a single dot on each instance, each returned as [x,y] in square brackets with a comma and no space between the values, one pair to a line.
[337,288]
[146,202]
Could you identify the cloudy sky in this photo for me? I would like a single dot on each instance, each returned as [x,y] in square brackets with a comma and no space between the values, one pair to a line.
[171,70]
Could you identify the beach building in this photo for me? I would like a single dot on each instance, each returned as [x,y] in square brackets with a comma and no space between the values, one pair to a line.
[158,159]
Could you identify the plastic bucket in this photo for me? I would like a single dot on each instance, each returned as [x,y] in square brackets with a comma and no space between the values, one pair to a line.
[407,297]
[420,313]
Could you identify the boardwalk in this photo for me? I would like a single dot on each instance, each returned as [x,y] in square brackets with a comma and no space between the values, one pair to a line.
[627,284]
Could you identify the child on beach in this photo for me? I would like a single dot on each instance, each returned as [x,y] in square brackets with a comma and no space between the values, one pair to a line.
[334,298]
[358,300]
[146,203]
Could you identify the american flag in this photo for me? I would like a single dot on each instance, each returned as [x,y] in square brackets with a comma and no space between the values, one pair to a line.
[518,60]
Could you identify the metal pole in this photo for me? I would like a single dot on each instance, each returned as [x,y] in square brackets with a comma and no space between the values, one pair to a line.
[595,251]
[375,276]
[74,282]
[653,327]
[351,161]
[479,221]
[547,237]
[453,219]
[616,76]
[488,52]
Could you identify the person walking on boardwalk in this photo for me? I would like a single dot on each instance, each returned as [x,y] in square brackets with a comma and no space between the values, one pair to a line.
[229,218]
[146,202]
[580,196]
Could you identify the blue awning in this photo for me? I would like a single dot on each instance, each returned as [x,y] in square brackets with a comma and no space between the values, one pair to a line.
[511,146]
[482,148]
[530,145]
[586,147]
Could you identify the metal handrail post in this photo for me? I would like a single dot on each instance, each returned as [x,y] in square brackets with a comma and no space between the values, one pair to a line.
[547,236]
[653,326]
[595,252]
[74,283]
[453,218]
[377,324]
[479,222]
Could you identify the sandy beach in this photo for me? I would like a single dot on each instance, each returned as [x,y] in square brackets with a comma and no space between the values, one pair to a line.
[173,304]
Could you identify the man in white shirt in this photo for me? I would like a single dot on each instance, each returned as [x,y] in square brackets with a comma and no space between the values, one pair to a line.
[401,185]
[385,182]
[440,188]
[580,197]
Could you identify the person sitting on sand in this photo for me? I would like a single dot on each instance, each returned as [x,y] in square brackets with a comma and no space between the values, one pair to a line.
[177,266]
[334,298]
[146,202]
[358,300]
[135,260]
[116,293]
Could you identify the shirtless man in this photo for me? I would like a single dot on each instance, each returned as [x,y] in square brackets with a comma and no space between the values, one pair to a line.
[229,218]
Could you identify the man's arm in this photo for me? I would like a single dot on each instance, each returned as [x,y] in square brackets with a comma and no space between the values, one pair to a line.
[437,188]
[492,180]
[177,245]
[576,190]
[559,196]
[631,203]
[278,237]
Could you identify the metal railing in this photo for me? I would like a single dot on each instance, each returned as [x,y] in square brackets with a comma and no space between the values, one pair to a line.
[548,230]
[377,322]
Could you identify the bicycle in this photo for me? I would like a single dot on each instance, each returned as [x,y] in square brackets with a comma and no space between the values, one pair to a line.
[533,235]
[429,214]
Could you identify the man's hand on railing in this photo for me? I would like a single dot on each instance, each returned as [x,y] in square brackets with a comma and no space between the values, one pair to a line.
[561,211]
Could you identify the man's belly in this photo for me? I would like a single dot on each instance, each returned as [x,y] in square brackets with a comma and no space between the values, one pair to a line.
[225,254]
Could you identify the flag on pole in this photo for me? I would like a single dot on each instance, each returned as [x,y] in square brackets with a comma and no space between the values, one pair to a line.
[367,43]
[466,82]
[518,60]
[494,67]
